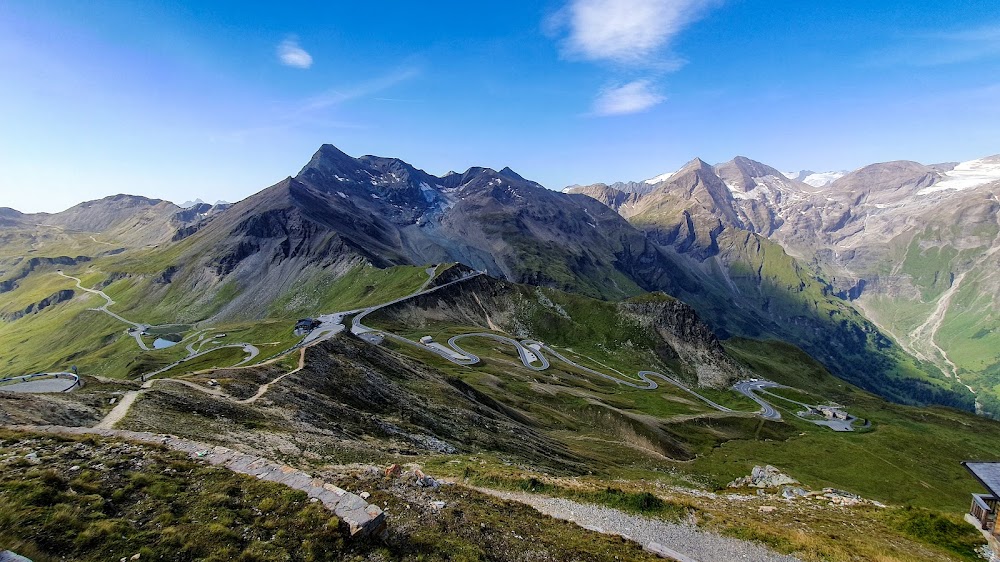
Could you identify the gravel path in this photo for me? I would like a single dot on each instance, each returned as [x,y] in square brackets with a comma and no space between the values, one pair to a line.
[263,388]
[671,540]
[118,412]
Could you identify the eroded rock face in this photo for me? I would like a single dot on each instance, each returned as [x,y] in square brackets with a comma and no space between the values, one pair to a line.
[693,341]
[32,264]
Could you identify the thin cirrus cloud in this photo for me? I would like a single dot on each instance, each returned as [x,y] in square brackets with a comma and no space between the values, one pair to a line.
[941,48]
[366,88]
[633,97]
[634,34]
[291,54]
[319,110]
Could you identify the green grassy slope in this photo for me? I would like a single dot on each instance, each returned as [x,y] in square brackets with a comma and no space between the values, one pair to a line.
[933,262]
[69,334]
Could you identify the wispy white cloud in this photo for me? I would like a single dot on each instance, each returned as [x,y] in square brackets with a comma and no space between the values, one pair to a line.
[941,48]
[626,31]
[318,112]
[633,97]
[337,96]
[291,54]
[632,34]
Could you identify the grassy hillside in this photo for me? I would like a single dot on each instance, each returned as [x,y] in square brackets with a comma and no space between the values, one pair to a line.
[909,455]
[944,291]
[565,432]
[164,506]
[68,333]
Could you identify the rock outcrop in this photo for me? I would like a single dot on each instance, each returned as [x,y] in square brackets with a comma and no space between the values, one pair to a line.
[692,340]
[764,477]
[34,308]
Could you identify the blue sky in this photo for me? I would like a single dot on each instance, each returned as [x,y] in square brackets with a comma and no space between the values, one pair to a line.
[218,100]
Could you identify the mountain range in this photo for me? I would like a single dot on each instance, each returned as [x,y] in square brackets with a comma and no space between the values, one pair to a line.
[911,246]
[757,254]
[639,346]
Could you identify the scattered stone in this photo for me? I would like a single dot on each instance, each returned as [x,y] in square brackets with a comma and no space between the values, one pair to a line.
[790,492]
[365,495]
[112,401]
[842,498]
[438,505]
[135,556]
[767,509]
[32,458]
[665,552]
[424,481]
[74,468]
[10,556]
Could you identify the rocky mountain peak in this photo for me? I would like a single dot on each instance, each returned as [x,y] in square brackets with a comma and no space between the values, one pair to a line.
[898,175]
[10,217]
[511,174]
[329,159]
[696,165]
[754,168]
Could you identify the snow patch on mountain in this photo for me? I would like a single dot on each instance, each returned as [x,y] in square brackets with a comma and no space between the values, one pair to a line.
[815,179]
[822,178]
[660,178]
[966,175]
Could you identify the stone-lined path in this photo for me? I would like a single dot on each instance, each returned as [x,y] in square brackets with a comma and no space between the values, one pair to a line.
[687,542]
[361,517]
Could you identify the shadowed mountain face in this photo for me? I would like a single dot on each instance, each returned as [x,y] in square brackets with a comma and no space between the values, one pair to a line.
[914,246]
[389,212]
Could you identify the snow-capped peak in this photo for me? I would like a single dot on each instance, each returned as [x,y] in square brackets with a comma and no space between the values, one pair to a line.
[660,178]
[968,175]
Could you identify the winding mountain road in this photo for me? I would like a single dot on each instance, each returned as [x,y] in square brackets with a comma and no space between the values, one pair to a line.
[136,332]
[250,349]
[128,399]
[103,308]
[41,383]
[749,389]
[529,351]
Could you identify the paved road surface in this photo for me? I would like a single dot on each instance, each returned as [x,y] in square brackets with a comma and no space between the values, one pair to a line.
[42,383]
[748,388]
